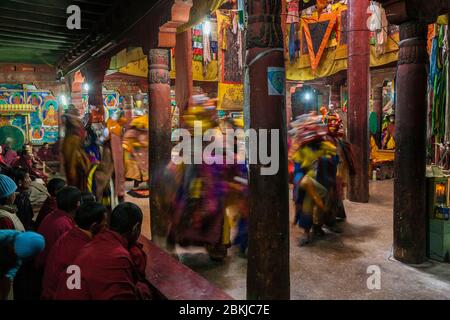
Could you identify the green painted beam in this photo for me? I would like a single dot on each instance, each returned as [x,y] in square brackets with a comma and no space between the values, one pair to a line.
[30,39]
[37,35]
[33,44]
[38,25]
[22,8]
[27,55]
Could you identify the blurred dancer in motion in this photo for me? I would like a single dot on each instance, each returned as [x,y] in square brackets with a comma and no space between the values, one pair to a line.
[135,146]
[199,200]
[309,147]
[333,170]
[75,159]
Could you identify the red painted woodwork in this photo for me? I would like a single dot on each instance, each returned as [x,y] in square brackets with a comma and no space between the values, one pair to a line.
[358,98]
[175,281]
[268,252]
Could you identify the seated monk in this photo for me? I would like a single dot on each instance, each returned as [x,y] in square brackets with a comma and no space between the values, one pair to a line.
[45,153]
[109,271]
[25,161]
[49,205]
[4,167]
[90,219]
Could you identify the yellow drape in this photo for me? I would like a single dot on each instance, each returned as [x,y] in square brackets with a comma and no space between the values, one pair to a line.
[334,58]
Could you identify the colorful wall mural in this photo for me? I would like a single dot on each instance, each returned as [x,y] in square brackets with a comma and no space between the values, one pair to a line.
[44,118]
[112,101]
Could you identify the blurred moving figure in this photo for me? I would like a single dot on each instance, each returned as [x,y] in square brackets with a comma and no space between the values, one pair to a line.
[316,150]
[135,146]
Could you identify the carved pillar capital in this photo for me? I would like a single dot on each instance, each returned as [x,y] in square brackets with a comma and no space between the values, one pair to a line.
[413,43]
[158,66]
[264,24]
[377,93]
[400,11]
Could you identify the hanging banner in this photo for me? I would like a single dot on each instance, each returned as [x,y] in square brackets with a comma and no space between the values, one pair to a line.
[334,57]
[231,87]
[317,34]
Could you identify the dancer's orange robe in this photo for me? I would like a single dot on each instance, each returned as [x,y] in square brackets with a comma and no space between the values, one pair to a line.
[76,162]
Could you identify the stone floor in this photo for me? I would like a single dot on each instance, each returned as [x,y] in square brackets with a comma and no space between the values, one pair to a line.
[336,267]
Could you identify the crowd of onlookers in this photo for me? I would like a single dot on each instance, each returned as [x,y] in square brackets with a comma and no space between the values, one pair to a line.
[71,248]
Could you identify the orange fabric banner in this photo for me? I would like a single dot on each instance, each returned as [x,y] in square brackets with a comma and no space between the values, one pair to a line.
[314,52]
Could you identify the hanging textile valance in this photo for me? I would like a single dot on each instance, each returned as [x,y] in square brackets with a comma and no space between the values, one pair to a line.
[317,34]
[304,66]
[125,57]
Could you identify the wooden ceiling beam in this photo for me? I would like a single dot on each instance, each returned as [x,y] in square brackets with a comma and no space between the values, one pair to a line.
[41,18]
[87,6]
[37,25]
[45,31]
[23,9]
[32,45]
[25,38]
[37,35]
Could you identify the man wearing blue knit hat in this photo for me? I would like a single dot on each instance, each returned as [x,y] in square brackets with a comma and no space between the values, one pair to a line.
[15,247]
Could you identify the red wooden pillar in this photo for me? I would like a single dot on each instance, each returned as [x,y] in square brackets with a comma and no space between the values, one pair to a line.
[268,252]
[95,74]
[377,97]
[410,216]
[183,69]
[77,91]
[358,98]
[160,134]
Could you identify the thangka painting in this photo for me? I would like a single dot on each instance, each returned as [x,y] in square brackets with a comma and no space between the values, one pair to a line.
[18,121]
[231,88]
[111,102]
[12,97]
[44,120]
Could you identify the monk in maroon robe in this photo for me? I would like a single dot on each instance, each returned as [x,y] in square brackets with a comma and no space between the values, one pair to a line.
[59,221]
[90,219]
[108,269]
[49,205]
[45,153]
[53,227]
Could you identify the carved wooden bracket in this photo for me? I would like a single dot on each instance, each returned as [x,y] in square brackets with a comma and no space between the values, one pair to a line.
[179,15]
